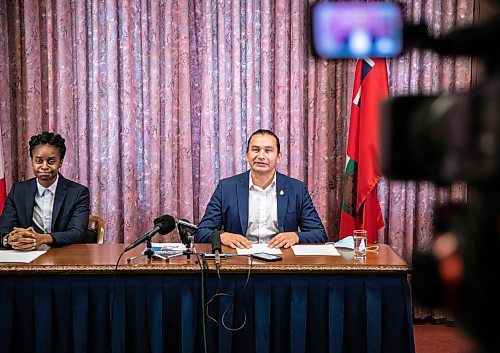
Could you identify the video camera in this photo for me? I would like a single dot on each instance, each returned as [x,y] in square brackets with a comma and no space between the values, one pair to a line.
[445,139]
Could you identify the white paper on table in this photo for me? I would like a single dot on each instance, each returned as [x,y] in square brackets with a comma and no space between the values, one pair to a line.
[169,246]
[19,256]
[259,248]
[323,249]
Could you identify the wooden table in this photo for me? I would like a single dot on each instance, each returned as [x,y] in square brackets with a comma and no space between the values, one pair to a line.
[78,299]
[95,258]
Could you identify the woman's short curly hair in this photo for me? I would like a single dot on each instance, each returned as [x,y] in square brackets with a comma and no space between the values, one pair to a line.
[48,138]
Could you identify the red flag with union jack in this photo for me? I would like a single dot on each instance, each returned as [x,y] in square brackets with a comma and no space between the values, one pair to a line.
[360,206]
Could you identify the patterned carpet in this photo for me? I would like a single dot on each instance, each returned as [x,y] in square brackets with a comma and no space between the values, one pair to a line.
[442,338]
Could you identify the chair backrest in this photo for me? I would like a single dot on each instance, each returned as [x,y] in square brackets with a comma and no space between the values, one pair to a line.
[96,223]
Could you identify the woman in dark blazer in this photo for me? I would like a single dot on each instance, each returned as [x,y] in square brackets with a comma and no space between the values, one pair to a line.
[48,210]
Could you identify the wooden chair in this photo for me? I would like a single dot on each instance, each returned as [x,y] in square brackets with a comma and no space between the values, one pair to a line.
[96,224]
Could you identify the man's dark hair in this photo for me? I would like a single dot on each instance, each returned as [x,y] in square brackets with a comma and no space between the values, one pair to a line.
[48,138]
[264,132]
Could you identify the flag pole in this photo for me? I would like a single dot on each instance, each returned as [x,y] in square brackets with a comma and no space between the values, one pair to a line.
[363,214]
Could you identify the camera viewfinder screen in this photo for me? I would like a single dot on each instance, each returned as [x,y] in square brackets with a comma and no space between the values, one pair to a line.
[356,29]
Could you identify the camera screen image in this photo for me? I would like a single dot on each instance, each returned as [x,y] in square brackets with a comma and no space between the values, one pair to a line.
[356,30]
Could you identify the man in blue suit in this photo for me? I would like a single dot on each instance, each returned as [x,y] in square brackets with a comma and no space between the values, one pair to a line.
[48,210]
[262,205]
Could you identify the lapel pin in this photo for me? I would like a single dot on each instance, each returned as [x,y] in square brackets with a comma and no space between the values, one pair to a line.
[282,192]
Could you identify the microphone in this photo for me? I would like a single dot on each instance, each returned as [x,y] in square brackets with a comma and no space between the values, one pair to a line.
[163,224]
[185,223]
[186,231]
[216,247]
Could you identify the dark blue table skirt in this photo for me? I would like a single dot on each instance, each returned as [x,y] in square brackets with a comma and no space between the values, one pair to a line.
[162,313]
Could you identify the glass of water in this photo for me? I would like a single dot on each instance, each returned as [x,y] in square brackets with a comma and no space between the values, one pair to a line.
[359,244]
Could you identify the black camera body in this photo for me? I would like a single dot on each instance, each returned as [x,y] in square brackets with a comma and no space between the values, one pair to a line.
[444,139]
[447,139]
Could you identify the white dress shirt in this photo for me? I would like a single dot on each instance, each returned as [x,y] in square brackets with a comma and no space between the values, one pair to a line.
[44,204]
[262,212]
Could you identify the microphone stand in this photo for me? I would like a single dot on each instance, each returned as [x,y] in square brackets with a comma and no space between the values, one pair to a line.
[148,252]
[186,237]
[189,247]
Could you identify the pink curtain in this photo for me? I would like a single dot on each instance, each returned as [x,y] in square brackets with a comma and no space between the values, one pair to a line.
[156,100]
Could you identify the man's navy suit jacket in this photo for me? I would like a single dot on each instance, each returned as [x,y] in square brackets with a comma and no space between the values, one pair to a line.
[228,209]
[70,215]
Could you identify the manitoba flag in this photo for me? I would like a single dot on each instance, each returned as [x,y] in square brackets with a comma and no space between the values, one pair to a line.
[2,176]
[360,206]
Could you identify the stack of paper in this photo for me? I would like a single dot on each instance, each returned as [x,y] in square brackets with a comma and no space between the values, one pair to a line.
[19,256]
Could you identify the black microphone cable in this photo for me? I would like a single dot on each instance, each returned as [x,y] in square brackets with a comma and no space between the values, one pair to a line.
[219,294]
[163,225]
[203,269]
[112,294]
